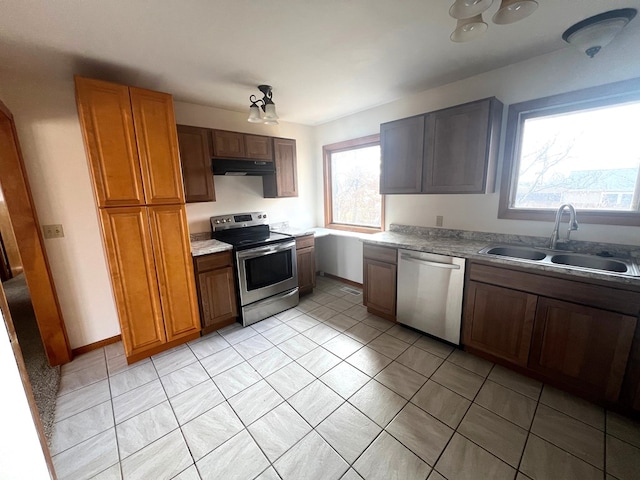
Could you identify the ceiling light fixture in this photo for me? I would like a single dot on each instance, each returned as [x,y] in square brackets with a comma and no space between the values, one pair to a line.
[469,29]
[468,8]
[469,15]
[270,116]
[593,33]
[511,11]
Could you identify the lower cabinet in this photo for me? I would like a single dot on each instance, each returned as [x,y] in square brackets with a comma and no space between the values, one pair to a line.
[306,263]
[583,346]
[499,321]
[149,260]
[380,279]
[572,334]
[215,278]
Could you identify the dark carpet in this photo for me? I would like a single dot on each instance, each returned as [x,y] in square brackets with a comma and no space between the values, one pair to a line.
[44,379]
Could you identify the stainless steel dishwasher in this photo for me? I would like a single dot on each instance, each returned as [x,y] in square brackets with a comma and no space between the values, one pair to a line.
[430,293]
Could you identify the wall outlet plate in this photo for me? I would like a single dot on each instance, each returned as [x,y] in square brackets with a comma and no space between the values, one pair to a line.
[439,220]
[52,231]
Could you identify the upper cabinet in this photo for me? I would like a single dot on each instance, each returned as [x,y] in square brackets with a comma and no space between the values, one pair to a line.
[195,154]
[258,147]
[448,151]
[130,138]
[241,146]
[157,141]
[199,147]
[402,147]
[285,181]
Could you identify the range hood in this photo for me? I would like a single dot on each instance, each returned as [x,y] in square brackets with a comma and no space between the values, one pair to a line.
[242,167]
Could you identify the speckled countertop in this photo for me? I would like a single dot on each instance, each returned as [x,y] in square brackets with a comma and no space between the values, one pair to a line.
[459,243]
[207,246]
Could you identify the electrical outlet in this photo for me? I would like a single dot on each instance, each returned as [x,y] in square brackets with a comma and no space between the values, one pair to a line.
[52,231]
[439,220]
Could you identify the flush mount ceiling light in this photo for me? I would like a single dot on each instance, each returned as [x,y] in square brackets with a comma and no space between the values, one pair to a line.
[593,33]
[270,116]
[469,15]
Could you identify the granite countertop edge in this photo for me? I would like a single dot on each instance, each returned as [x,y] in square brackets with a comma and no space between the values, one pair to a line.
[469,249]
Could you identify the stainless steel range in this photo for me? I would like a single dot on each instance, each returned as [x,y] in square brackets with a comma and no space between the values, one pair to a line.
[266,267]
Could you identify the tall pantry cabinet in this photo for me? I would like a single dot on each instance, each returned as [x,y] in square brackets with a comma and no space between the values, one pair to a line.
[131,143]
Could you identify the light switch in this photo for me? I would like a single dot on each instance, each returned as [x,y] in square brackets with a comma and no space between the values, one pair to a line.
[52,231]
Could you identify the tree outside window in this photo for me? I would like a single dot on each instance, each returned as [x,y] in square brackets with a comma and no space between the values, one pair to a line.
[352,185]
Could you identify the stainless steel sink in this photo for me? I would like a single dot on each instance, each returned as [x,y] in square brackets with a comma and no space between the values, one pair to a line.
[592,261]
[566,259]
[523,253]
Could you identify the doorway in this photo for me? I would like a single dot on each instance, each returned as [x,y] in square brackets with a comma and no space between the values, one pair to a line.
[30,293]
[24,221]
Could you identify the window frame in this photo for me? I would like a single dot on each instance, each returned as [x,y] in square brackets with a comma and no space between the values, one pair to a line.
[600,96]
[327,151]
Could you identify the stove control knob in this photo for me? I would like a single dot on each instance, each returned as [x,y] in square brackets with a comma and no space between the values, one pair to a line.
[217,221]
[264,216]
[229,220]
[259,216]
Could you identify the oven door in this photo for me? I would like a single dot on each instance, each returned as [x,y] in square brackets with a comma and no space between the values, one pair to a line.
[266,271]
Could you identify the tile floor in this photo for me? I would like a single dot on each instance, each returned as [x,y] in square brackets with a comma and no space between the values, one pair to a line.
[326,391]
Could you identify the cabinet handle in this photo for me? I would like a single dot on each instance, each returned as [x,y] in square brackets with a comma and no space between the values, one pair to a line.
[450,266]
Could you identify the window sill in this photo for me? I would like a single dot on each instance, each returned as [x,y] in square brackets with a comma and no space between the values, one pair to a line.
[631,219]
[353,228]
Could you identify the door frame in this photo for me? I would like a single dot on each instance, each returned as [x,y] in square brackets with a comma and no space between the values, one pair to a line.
[26,227]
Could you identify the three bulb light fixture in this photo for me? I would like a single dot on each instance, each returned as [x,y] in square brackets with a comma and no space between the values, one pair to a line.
[265,103]
[469,15]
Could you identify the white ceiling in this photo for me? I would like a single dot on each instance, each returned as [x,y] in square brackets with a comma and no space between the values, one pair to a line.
[325,59]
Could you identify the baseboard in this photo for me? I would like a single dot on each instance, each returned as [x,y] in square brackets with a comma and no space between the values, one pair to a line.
[343,280]
[95,345]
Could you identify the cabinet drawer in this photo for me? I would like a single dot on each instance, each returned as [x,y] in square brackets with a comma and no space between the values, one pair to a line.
[382,254]
[213,260]
[306,241]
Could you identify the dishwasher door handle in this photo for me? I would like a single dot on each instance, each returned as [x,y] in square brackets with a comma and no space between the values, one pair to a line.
[409,258]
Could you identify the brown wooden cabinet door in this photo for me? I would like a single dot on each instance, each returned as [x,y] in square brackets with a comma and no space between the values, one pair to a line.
[228,144]
[285,182]
[380,288]
[195,157]
[172,251]
[582,347]
[306,258]
[402,146]
[217,296]
[499,321]
[157,141]
[456,152]
[258,147]
[107,127]
[133,276]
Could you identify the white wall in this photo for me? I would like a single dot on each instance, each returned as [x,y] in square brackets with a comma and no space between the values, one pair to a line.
[244,194]
[49,133]
[21,454]
[561,71]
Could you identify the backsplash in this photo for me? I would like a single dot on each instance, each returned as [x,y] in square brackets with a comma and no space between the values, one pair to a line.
[623,251]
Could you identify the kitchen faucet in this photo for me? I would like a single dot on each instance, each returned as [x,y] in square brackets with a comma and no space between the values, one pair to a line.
[573,225]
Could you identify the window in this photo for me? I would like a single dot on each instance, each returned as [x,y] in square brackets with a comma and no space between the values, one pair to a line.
[352,199]
[581,148]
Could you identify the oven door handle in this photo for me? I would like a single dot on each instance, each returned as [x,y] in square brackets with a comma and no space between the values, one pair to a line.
[259,251]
